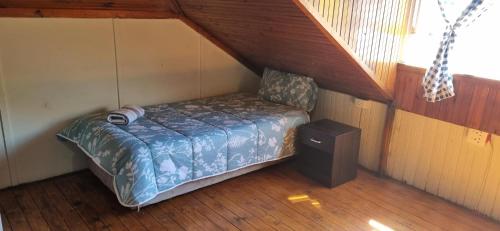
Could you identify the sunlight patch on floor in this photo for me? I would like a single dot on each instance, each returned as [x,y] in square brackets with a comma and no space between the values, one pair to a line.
[379,226]
[304,198]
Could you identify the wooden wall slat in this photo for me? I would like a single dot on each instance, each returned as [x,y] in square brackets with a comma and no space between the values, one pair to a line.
[476,104]
[341,107]
[373,30]
[436,157]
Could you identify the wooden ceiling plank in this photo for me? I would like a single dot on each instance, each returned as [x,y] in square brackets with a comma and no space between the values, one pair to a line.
[221,45]
[337,41]
[138,5]
[74,13]
[282,35]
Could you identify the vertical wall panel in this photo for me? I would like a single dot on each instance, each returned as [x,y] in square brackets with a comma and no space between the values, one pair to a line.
[445,163]
[165,60]
[158,61]
[54,70]
[4,164]
[340,107]
[222,74]
[4,167]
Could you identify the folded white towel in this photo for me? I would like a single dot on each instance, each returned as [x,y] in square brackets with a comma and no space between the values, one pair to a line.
[125,115]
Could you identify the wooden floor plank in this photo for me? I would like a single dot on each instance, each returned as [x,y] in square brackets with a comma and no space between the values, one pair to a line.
[102,206]
[3,219]
[180,204]
[13,212]
[368,210]
[430,208]
[217,207]
[71,194]
[252,189]
[30,209]
[202,213]
[53,218]
[359,209]
[335,219]
[162,218]
[63,207]
[266,213]
[230,209]
[146,219]
[276,198]
[185,221]
[398,204]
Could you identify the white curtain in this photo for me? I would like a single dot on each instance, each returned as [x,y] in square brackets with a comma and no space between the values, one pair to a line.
[438,82]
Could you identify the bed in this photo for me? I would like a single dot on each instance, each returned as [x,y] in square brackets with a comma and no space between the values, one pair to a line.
[180,147]
[176,144]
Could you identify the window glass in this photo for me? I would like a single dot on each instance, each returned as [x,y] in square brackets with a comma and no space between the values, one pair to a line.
[477,47]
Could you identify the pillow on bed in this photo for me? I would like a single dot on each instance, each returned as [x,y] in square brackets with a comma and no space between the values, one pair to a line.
[290,89]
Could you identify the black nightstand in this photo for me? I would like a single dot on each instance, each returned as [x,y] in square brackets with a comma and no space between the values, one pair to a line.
[328,152]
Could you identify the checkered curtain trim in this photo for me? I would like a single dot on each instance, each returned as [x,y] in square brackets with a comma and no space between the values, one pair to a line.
[438,82]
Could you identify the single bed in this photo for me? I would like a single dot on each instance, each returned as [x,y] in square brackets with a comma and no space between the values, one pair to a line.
[179,147]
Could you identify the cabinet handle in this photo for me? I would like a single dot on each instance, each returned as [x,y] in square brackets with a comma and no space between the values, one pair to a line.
[316,141]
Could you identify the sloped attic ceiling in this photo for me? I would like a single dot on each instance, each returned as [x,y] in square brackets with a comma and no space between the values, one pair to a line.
[280,34]
[283,35]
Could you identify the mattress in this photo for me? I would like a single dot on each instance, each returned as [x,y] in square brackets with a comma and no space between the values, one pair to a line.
[178,143]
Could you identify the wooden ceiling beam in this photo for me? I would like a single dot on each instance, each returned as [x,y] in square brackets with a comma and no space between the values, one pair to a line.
[87,8]
[84,13]
[139,5]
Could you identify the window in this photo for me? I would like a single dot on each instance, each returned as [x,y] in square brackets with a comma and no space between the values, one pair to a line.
[477,47]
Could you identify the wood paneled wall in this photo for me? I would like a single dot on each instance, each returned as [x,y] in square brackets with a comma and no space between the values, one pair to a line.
[341,107]
[373,29]
[435,156]
[476,104]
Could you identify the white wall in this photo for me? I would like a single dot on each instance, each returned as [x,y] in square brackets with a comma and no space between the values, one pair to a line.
[151,61]
[55,70]
[216,66]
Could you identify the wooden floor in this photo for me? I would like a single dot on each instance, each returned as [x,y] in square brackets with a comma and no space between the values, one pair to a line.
[274,198]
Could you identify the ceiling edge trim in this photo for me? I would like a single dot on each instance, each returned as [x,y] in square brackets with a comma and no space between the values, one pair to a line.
[338,42]
[84,13]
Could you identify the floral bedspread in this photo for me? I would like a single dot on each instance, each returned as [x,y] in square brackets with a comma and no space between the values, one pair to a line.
[180,142]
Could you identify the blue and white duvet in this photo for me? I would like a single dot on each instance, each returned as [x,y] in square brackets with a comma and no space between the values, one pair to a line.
[180,142]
